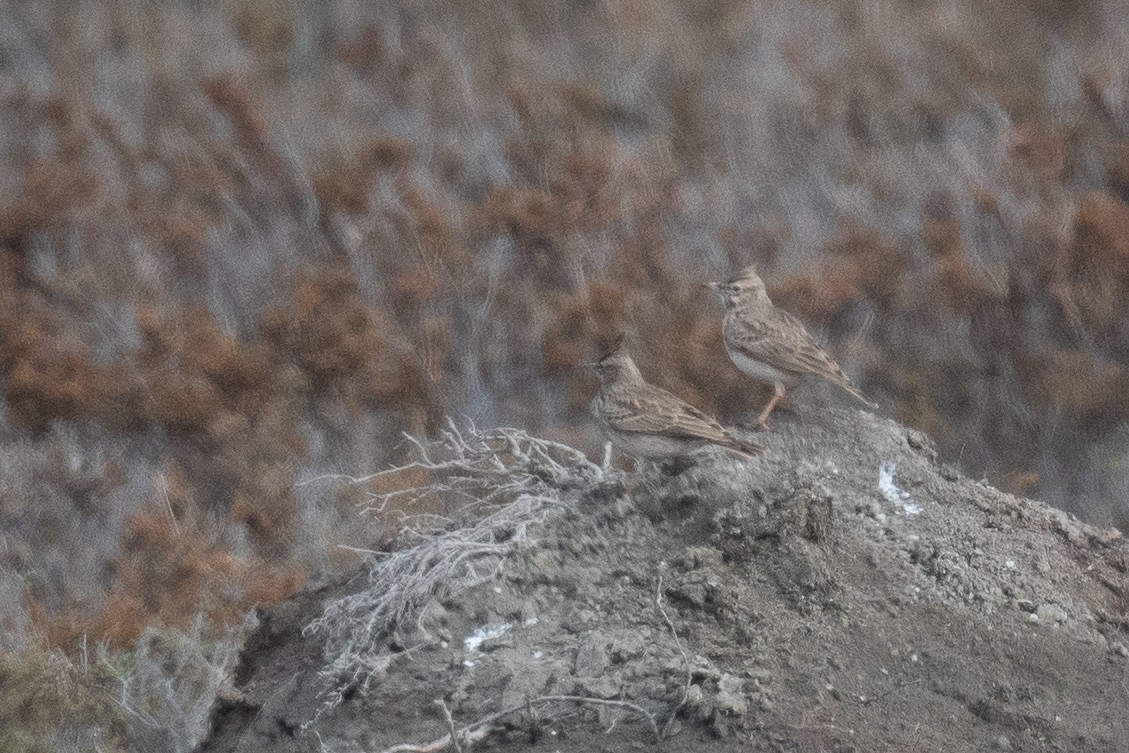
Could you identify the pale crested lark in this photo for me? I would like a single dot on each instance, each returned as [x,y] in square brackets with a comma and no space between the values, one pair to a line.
[771,345]
[648,422]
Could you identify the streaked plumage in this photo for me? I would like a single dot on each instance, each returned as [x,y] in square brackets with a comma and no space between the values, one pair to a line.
[648,422]
[771,345]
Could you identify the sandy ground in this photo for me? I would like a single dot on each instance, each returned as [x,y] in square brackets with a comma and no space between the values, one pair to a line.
[845,592]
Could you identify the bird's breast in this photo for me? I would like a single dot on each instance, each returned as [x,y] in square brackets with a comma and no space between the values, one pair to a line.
[757,369]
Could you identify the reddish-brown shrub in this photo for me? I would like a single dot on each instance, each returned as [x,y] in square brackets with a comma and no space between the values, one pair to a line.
[1100,245]
[1119,171]
[965,290]
[862,266]
[1084,392]
[345,186]
[48,376]
[524,212]
[330,335]
[166,574]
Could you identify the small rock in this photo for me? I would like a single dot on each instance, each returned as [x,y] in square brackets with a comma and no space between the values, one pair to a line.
[920,442]
[1051,612]
[582,620]
[701,556]
[622,506]
[731,695]
[599,687]
[759,676]
[591,658]
[623,646]
[1120,649]
[949,473]
[1001,743]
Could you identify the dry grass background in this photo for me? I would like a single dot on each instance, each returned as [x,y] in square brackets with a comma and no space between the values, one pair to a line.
[245,244]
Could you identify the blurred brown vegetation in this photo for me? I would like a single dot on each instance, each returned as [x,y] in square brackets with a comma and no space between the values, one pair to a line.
[244,246]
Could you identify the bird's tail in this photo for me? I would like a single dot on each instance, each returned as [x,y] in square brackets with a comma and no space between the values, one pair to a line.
[846,385]
[750,449]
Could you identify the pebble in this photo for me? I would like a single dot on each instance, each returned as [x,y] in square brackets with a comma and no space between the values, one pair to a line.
[1002,743]
[731,695]
[1051,612]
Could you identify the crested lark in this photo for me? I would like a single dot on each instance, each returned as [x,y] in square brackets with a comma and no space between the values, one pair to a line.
[771,345]
[648,422]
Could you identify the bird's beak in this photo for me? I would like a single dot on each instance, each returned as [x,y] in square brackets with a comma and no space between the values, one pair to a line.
[711,285]
[589,365]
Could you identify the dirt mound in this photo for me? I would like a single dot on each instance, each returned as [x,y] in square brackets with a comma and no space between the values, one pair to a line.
[844,592]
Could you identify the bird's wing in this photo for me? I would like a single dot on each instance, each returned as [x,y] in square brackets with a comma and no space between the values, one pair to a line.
[783,342]
[652,410]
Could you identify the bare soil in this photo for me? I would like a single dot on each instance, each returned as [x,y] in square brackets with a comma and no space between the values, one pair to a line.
[805,601]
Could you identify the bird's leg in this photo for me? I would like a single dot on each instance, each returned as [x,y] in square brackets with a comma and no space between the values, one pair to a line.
[787,399]
[607,464]
[779,393]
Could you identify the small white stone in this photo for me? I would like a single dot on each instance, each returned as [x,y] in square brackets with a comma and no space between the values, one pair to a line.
[1051,612]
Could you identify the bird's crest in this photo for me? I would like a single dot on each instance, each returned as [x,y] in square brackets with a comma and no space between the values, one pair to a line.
[618,346]
[747,274]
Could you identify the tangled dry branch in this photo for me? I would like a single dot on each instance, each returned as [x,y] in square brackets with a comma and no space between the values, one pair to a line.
[508,483]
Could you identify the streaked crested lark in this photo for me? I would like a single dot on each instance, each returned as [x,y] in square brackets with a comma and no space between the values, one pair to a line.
[648,422]
[771,345]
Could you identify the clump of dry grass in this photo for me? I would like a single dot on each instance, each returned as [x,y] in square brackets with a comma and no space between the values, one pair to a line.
[155,696]
[45,699]
[167,683]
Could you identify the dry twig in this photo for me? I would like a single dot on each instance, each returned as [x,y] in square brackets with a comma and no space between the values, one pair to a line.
[452,733]
[480,728]
[685,660]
